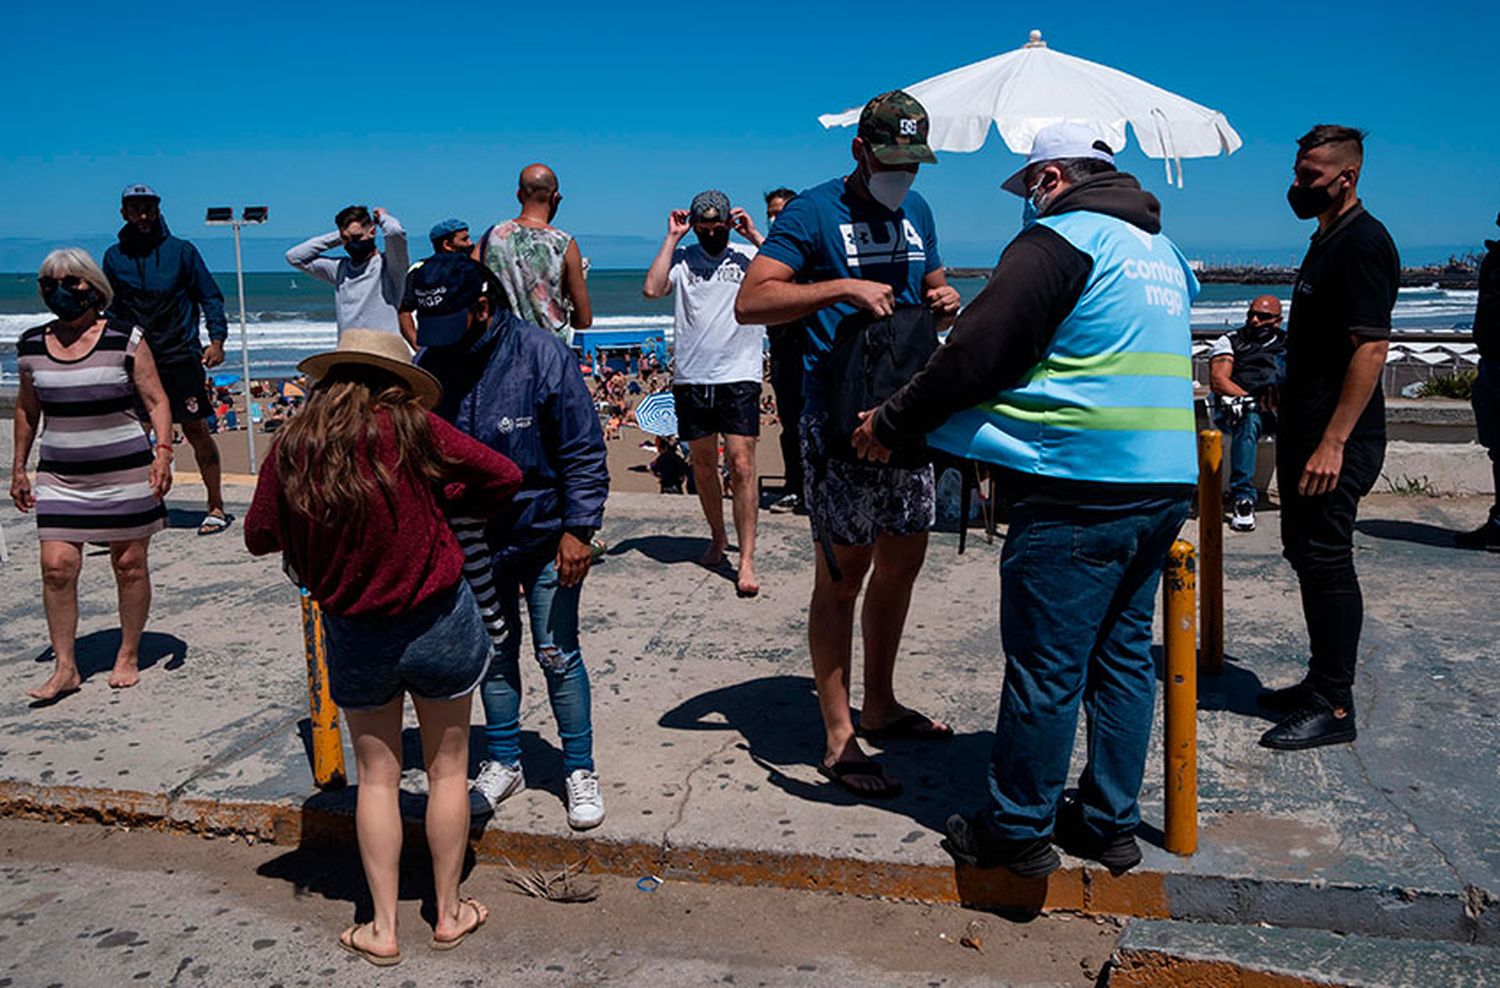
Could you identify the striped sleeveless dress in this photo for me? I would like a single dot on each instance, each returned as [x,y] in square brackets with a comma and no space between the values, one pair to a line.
[93,483]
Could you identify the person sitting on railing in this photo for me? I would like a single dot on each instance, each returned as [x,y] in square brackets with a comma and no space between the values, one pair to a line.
[1244,367]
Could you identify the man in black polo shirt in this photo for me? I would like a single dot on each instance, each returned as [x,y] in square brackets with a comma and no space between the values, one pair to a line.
[1332,438]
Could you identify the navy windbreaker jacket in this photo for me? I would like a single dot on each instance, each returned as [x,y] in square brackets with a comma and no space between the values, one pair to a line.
[518,390]
[161,284]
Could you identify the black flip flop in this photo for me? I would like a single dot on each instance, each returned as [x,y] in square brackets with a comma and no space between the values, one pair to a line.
[841,771]
[910,726]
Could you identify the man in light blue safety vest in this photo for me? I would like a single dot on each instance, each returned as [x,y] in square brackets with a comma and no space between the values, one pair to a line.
[1071,373]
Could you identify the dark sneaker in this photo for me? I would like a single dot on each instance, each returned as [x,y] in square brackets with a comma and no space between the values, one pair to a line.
[970,845]
[1243,519]
[1486,536]
[1286,699]
[785,504]
[1118,852]
[1312,726]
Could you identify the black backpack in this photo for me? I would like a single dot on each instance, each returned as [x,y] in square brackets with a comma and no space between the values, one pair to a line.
[871,360]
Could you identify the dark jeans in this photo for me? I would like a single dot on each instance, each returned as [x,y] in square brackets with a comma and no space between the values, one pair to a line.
[1317,537]
[1078,591]
[1486,399]
[786,381]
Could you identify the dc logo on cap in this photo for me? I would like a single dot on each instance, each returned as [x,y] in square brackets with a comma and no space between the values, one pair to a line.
[908,128]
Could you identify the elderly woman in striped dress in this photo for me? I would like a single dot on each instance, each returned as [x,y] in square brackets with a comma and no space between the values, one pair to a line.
[101,478]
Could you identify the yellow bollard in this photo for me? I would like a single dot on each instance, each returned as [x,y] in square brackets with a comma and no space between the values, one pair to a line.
[1211,549]
[1180,701]
[327,743]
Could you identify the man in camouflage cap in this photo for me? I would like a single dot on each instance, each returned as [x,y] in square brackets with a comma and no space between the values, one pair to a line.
[861,242]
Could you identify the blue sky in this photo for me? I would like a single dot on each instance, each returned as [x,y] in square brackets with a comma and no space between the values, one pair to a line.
[430,110]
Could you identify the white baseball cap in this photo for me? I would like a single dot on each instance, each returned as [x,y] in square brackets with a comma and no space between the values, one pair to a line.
[1056,141]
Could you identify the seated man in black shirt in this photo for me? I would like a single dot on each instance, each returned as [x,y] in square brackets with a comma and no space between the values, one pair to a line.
[1332,439]
[1244,367]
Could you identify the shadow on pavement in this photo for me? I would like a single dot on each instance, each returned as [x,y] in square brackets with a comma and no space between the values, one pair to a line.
[1234,691]
[779,719]
[1407,531]
[673,549]
[96,653]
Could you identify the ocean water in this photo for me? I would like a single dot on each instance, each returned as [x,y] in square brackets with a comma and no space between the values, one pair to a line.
[289,315]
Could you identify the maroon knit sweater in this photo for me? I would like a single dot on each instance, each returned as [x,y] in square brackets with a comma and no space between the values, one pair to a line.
[406,553]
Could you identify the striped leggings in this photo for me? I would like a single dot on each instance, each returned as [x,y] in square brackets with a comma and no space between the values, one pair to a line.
[477,573]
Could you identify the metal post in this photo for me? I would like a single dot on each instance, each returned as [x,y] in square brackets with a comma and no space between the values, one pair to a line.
[327,743]
[1180,702]
[1211,548]
[239,274]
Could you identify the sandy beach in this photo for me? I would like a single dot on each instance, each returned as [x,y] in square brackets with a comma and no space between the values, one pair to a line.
[628,460]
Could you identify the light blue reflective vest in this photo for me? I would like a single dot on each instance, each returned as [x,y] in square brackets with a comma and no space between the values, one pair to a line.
[1111,401]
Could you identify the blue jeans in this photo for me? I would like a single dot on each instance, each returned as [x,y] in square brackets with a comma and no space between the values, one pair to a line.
[552,613]
[1243,437]
[1077,593]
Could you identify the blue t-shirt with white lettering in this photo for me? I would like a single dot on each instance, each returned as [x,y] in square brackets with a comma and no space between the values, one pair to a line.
[828,232]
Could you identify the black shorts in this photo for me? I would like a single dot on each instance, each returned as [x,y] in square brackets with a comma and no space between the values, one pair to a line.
[187,390]
[717,409]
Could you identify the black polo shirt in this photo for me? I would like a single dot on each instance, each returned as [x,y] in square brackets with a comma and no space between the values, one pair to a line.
[1346,287]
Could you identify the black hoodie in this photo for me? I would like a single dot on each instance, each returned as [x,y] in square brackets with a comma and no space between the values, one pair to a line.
[162,285]
[1004,332]
[1487,311]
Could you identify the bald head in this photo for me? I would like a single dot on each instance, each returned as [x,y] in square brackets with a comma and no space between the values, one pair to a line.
[538,183]
[1265,310]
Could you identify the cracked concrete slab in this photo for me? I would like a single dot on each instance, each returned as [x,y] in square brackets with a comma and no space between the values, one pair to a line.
[707,729]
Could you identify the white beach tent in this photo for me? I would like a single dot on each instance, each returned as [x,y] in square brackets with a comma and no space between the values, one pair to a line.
[1024,90]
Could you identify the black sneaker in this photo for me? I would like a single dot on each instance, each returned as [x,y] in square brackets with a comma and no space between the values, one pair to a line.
[970,845]
[1312,726]
[1287,698]
[1243,519]
[1118,852]
[1486,536]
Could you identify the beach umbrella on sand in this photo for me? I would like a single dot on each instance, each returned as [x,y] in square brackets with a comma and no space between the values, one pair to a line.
[1024,90]
[291,389]
[657,414]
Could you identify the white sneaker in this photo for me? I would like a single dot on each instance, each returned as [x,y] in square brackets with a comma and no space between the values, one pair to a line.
[494,784]
[1243,519]
[585,803]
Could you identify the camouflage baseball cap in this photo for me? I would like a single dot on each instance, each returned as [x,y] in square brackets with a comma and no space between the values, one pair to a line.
[894,127]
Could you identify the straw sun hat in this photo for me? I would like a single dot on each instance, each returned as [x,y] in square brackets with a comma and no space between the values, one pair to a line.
[380,349]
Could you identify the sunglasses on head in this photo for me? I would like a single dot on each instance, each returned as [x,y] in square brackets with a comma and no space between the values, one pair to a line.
[71,281]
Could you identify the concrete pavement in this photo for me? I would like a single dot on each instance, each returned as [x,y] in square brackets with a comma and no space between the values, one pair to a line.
[707,728]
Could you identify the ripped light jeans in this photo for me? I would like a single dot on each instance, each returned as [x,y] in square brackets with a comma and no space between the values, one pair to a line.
[552,613]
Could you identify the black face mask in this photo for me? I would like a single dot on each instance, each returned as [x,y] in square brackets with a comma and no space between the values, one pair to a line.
[1308,201]
[69,303]
[360,250]
[714,241]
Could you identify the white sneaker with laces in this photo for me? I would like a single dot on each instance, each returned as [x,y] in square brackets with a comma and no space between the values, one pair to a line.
[585,802]
[1243,519]
[494,784]
[786,503]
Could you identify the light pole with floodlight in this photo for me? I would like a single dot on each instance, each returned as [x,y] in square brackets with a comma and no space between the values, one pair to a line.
[250,215]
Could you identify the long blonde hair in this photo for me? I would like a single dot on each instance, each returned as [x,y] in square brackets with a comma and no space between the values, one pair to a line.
[324,476]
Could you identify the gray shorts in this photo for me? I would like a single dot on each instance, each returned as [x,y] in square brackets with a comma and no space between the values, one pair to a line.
[852,503]
[440,651]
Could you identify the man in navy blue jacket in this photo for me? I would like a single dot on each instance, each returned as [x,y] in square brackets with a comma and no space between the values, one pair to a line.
[162,285]
[517,389]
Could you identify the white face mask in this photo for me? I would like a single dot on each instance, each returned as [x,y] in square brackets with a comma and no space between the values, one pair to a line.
[890,188]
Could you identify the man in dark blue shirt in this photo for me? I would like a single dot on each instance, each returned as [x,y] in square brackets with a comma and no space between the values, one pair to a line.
[862,242]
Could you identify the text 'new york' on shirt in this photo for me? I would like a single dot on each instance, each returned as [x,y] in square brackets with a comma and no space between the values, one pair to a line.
[1345,288]
[709,345]
[828,232]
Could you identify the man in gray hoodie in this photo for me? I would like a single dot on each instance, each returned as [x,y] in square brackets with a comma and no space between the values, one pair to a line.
[367,284]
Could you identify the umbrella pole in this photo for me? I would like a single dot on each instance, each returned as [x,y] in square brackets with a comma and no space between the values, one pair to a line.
[239,274]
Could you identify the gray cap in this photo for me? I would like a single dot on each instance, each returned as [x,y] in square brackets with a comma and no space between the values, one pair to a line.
[710,205]
[139,191]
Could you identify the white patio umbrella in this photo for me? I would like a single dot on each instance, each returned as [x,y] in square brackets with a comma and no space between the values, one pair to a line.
[1024,90]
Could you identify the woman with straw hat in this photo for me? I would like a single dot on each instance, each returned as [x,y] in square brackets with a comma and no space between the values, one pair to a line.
[354,494]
